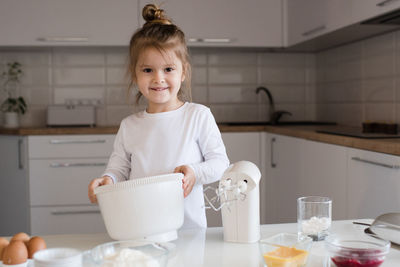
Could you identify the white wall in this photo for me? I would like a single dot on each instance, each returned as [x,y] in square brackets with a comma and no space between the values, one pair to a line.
[360,81]
[223,80]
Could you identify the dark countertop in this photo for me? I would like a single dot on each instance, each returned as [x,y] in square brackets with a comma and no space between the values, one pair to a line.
[387,145]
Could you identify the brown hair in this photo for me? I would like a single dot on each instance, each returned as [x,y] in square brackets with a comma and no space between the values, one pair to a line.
[160,33]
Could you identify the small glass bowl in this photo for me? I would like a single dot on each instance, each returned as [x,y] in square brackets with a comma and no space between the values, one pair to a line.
[285,250]
[147,254]
[362,251]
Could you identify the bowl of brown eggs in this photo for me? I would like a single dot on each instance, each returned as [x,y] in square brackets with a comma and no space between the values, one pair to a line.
[19,249]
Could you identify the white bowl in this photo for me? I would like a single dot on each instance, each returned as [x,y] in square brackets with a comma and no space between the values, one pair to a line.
[146,208]
[58,257]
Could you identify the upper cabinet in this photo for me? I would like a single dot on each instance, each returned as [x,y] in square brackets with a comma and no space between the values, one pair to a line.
[307,19]
[253,23]
[365,9]
[68,22]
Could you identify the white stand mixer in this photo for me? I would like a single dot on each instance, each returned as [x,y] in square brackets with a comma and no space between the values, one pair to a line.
[239,202]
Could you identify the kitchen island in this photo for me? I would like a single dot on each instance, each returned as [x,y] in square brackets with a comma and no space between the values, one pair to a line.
[206,248]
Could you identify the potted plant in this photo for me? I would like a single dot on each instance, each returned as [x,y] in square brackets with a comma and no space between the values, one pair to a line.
[13,105]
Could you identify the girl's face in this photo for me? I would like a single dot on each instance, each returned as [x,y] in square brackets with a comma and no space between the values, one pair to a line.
[159,77]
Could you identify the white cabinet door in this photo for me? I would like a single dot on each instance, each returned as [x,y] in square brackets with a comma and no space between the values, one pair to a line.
[66,220]
[283,173]
[63,181]
[307,19]
[296,167]
[373,184]
[304,20]
[253,23]
[14,185]
[239,146]
[324,174]
[365,9]
[67,22]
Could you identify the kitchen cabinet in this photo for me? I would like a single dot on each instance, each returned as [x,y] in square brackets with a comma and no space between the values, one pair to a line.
[365,9]
[54,173]
[283,173]
[373,183]
[239,146]
[307,19]
[324,174]
[298,167]
[14,186]
[72,22]
[253,23]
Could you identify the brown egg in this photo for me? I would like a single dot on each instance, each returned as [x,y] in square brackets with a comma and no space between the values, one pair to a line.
[3,244]
[3,257]
[21,236]
[15,253]
[35,244]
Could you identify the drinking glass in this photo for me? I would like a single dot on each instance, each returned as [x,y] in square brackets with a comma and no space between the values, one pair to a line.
[314,216]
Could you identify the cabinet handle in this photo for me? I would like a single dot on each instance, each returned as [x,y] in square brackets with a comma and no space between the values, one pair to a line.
[315,30]
[66,141]
[20,154]
[384,3]
[62,165]
[210,40]
[68,212]
[273,140]
[376,163]
[54,39]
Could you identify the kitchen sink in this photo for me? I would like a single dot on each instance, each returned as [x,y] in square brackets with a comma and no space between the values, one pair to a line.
[282,123]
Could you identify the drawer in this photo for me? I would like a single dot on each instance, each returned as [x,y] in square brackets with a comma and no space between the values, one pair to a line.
[62,181]
[70,146]
[66,220]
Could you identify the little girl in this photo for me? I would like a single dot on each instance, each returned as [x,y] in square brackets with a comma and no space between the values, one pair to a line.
[170,135]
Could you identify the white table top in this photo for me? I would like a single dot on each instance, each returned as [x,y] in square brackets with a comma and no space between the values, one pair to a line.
[196,248]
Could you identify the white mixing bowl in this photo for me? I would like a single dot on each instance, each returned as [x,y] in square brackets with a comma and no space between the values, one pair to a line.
[146,208]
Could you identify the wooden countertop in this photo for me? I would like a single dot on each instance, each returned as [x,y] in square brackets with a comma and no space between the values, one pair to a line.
[388,146]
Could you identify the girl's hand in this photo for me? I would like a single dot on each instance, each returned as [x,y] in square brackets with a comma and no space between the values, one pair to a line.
[96,183]
[188,180]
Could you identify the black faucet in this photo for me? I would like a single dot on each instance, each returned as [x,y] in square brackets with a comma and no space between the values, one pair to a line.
[274,116]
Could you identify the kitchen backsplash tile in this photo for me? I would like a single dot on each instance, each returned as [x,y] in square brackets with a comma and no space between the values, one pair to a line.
[287,93]
[78,57]
[197,58]
[117,56]
[116,75]
[232,112]
[382,44]
[75,94]
[199,75]
[232,59]
[232,75]
[384,112]
[37,95]
[346,114]
[119,95]
[200,93]
[285,60]
[282,75]
[379,66]
[78,76]
[359,81]
[115,114]
[347,84]
[33,57]
[232,94]
[378,90]
[38,75]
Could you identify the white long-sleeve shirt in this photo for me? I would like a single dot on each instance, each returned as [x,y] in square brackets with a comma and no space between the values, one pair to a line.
[150,144]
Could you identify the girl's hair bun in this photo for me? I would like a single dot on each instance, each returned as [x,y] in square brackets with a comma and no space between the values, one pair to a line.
[152,14]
